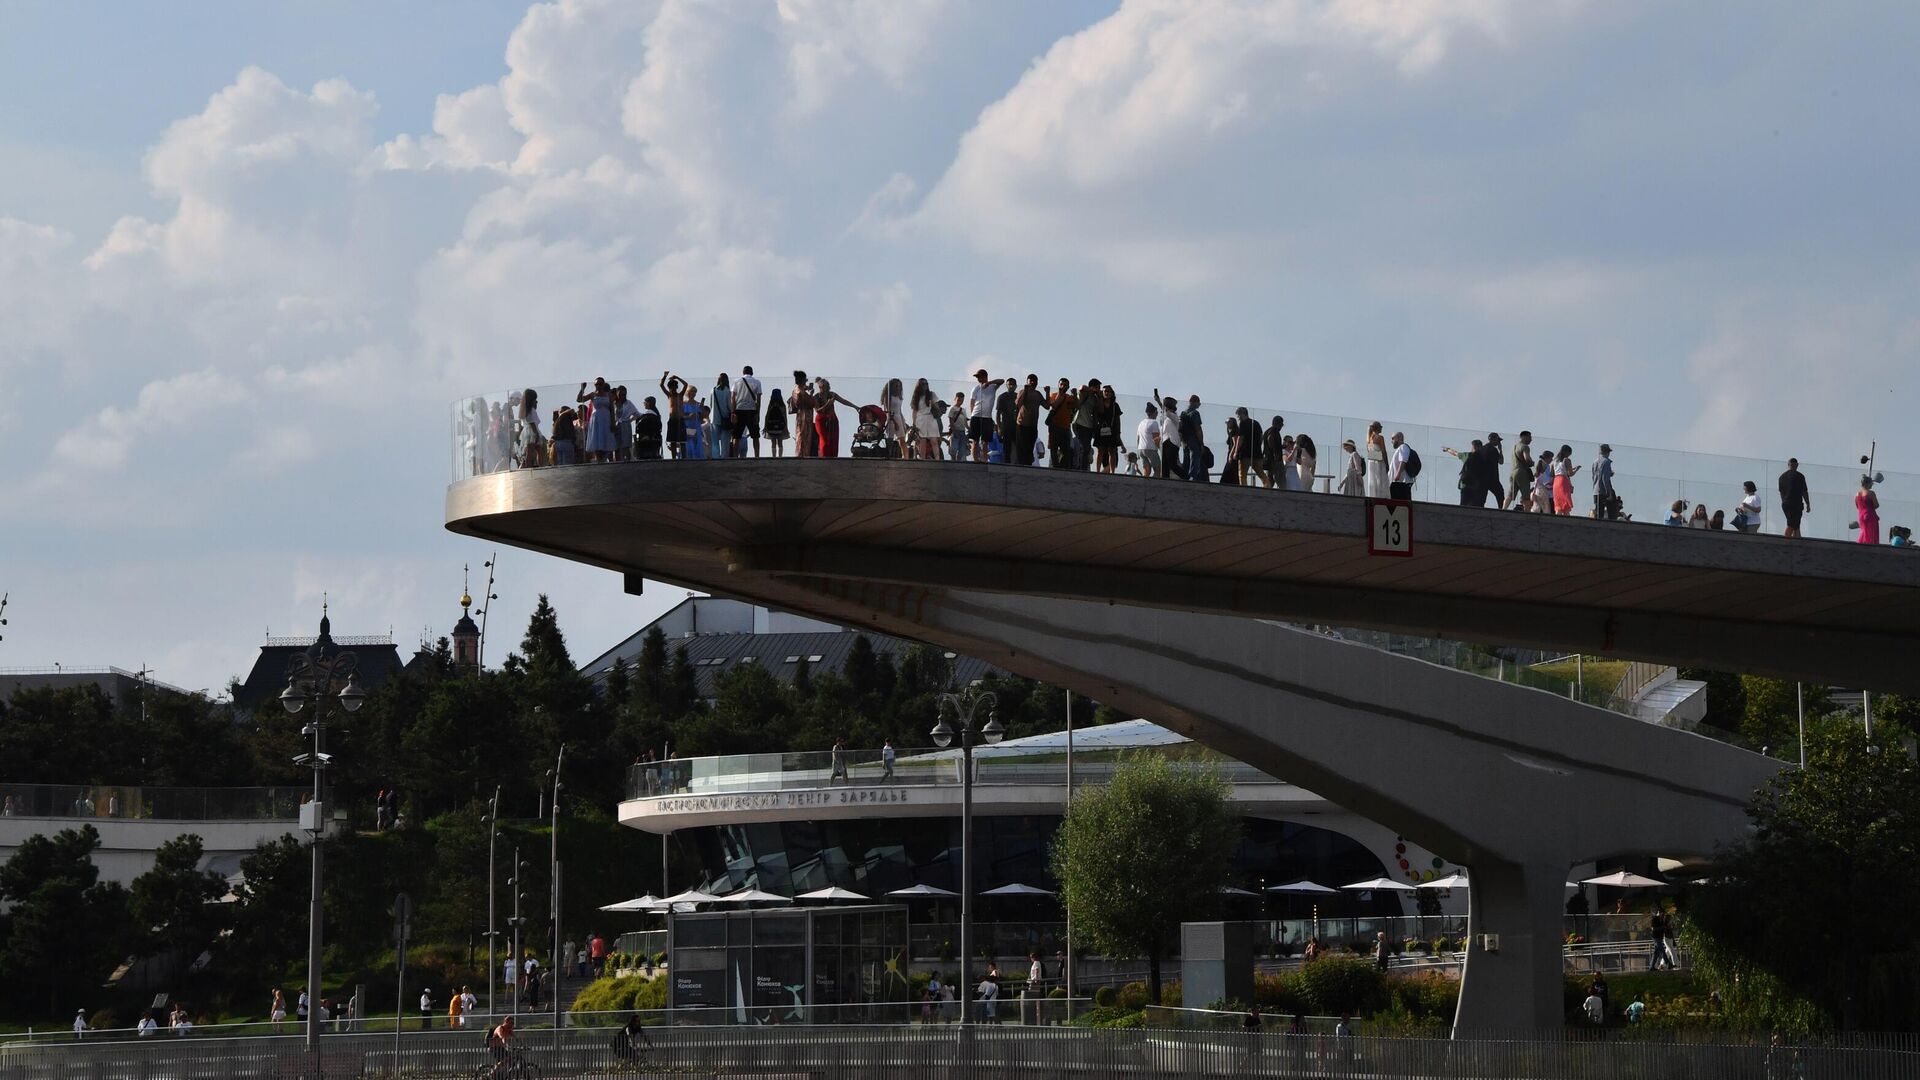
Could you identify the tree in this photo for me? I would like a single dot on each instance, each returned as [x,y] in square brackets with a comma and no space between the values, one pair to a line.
[1810,922]
[544,648]
[173,901]
[1772,713]
[65,927]
[1726,699]
[269,924]
[1137,856]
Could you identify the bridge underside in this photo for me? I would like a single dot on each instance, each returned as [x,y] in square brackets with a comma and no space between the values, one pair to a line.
[1825,612]
[1517,784]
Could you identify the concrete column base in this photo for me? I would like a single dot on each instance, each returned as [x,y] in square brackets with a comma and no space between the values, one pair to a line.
[1517,984]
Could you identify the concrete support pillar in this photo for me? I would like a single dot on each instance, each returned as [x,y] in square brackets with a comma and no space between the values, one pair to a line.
[1517,984]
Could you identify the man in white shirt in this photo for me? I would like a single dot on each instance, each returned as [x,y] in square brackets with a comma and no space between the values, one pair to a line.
[1399,484]
[986,393]
[1147,439]
[1596,1009]
[1169,438]
[746,412]
[469,1004]
[426,1008]
[80,1024]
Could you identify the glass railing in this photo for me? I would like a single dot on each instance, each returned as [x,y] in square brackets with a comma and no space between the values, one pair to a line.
[734,774]
[1478,660]
[488,436]
[106,802]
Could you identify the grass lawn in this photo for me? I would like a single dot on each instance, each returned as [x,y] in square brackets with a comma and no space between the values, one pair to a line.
[1598,674]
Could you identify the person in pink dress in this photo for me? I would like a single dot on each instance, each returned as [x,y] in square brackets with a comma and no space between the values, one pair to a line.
[1867,504]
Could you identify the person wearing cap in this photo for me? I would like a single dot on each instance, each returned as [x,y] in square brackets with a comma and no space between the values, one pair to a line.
[1520,474]
[80,1024]
[1606,504]
[1354,480]
[1492,456]
[980,405]
[426,1008]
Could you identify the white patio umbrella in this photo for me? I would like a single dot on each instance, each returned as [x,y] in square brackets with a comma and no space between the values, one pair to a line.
[1621,879]
[832,892]
[638,903]
[1229,890]
[1304,886]
[923,891]
[1379,884]
[1016,889]
[753,896]
[1455,880]
[691,896]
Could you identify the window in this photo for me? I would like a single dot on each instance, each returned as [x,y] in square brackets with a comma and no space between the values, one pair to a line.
[748,660]
[815,658]
[794,659]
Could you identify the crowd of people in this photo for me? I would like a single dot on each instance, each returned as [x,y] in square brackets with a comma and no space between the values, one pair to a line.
[1067,426]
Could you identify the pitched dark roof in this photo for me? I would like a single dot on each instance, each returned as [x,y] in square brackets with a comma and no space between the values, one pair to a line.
[780,654]
[269,675]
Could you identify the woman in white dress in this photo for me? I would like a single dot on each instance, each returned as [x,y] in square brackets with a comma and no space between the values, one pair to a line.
[1376,455]
[892,401]
[1353,481]
[1305,458]
[530,446]
[928,412]
[1543,483]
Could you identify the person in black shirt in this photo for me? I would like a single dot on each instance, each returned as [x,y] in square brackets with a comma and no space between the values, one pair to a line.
[1793,495]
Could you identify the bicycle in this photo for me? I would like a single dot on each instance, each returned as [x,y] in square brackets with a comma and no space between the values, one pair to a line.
[515,1066]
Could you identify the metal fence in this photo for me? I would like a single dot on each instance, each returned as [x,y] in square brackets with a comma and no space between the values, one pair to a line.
[110,802]
[982,1050]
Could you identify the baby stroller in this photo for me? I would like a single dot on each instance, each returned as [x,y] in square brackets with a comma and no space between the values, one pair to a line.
[870,437]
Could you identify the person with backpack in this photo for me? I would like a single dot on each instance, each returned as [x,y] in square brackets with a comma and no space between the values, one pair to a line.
[1406,469]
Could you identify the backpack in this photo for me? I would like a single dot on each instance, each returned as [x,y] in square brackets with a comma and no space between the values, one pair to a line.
[1412,469]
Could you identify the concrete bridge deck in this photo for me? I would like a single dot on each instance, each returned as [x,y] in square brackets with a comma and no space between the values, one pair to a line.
[1821,611]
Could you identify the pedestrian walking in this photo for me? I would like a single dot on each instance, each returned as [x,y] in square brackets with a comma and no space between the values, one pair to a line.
[837,757]
[1606,502]
[886,760]
[426,1008]
[1793,496]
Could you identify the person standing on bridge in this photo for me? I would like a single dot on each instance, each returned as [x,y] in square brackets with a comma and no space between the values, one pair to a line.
[1354,480]
[800,407]
[1867,505]
[1376,457]
[775,427]
[1193,442]
[1564,470]
[826,422]
[980,413]
[1747,516]
[1146,440]
[1406,468]
[1793,496]
[1027,403]
[1520,474]
[838,759]
[1606,504]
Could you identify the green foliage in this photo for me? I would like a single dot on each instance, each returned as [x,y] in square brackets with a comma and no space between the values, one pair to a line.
[1137,857]
[1809,926]
[173,903]
[1343,984]
[1283,993]
[620,995]
[64,928]
[1106,997]
[1726,697]
[1112,1017]
[1426,999]
[1771,717]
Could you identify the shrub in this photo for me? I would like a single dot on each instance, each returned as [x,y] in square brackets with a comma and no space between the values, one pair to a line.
[1415,945]
[1445,944]
[612,995]
[1113,1017]
[1057,992]
[1343,984]
[1426,997]
[1133,996]
[1105,997]
[652,994]
[1283,993]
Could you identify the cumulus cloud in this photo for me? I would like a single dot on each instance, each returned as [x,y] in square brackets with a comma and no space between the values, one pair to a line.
[829,42]
[1145,143]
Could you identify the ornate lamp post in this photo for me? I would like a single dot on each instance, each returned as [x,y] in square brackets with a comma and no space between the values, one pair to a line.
[321,672]
[964,709]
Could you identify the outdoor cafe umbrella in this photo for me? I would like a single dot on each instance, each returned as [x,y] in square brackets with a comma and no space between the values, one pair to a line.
[1229,890]
[832,892]
[753,896]
[1379,884]
[923,891]
[1621,879]
[1016,889]
[638,903]
[1455,880]
[691,896]
[1304,886]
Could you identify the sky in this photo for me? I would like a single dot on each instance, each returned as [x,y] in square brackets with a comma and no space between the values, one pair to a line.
[249,254]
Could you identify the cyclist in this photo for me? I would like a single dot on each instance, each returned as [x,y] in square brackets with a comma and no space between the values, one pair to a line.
[628,1040]
[500,1046]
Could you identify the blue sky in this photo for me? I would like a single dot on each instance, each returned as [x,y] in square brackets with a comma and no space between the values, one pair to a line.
[248,253]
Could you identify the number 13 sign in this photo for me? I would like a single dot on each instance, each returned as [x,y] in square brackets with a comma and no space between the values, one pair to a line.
[1389,527]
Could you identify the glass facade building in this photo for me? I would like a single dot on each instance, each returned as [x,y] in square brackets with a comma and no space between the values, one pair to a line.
[790,965]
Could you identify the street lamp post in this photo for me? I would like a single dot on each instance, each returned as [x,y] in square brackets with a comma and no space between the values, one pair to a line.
[314,674]
[964,709]
[493,934]
[553,901]
[514,882]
